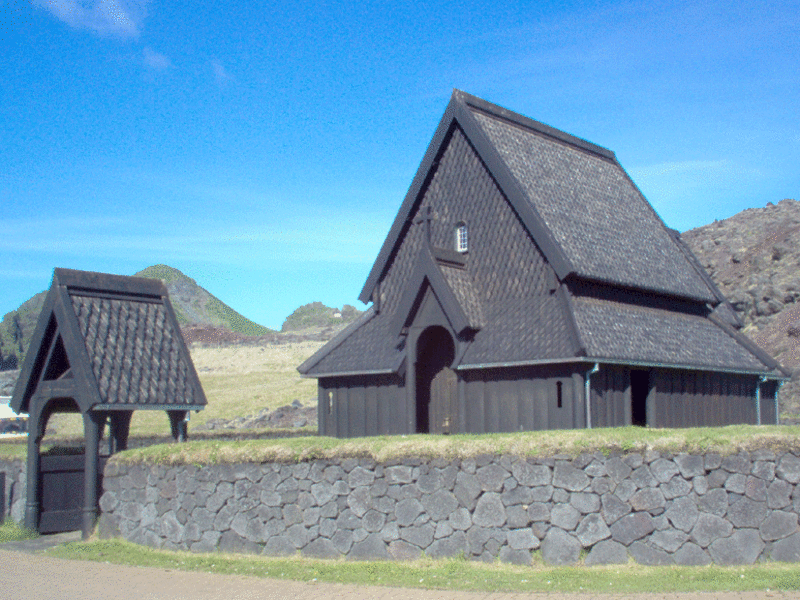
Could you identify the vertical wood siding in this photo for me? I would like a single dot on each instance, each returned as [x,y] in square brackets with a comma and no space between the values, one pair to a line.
[525,399]
[361,406]
[701,398]
[610,397]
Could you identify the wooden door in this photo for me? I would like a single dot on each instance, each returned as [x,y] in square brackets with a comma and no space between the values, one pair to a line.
[61,478]
[443,407]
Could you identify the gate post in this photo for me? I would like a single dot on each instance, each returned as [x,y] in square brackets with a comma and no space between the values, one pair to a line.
[92,422]
[34,469]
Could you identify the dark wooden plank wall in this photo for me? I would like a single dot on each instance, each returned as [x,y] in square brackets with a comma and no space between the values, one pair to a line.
[700,398]
[611,398]
[361,406]
[768,391]
[522,399]
[525,399]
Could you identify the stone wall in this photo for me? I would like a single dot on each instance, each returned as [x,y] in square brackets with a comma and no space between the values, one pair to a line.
[13,494]
[657,509]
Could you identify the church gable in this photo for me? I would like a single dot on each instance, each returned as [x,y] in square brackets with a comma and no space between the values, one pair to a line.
[502,260]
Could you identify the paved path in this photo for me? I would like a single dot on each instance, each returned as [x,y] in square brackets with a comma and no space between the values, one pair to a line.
[28,575]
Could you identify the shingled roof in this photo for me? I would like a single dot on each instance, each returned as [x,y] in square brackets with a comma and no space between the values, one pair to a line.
[586,219]
[113,342]
[585,213]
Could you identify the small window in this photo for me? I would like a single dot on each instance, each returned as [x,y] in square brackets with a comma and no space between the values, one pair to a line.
[559,397]
[462,239]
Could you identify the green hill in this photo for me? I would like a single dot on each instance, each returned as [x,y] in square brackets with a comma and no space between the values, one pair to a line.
[194,307]
[318,316]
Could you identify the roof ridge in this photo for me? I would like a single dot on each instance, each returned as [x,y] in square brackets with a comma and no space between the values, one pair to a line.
[521,120]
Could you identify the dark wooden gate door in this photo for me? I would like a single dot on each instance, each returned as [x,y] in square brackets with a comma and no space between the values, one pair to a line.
[61,485]
[444,401]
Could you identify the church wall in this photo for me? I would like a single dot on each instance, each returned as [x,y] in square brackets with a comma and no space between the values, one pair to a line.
[362,405]
[610,403]
[684,398]
[681,398]
[522,399]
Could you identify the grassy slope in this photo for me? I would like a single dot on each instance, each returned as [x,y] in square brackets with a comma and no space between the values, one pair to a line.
[237,380]
[203,302]
[566,443]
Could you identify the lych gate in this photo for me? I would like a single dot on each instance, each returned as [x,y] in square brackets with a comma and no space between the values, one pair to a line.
[104,346]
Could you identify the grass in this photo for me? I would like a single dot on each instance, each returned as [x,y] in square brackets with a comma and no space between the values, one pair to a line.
[723,440]
[451,574]
[11,450]
[237,380]
[14,532]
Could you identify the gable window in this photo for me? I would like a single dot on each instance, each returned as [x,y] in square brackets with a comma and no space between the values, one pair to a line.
[462,237]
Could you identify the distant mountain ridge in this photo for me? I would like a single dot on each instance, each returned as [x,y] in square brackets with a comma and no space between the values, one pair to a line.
[203,317]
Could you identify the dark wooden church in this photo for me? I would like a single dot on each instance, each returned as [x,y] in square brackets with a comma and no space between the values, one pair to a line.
[526,283]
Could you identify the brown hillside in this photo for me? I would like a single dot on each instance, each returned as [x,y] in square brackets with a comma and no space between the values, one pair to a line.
[754,258]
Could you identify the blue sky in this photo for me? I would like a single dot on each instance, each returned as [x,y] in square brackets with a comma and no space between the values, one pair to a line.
[264,148]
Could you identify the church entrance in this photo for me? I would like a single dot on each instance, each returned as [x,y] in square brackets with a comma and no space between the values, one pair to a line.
[437,382]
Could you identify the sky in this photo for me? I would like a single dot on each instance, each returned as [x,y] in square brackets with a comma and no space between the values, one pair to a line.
[264,148]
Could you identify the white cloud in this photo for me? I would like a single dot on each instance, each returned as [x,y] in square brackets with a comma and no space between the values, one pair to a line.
[116,18]
[221,75]
[156,60]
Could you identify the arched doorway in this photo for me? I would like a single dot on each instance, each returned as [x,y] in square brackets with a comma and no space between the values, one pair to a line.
[437,382]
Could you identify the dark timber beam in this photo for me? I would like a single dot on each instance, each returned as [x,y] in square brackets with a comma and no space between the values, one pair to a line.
[92,425]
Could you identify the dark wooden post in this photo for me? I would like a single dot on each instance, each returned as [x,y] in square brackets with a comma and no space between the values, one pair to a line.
[177,422]
[34,466]
[119,430]
[92,422]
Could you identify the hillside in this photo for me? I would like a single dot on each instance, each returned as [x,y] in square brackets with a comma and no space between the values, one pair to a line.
[754,258]
[16,330]
[195,308]
[317,316]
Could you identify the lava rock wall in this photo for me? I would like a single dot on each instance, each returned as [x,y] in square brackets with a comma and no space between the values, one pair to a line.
[656,508]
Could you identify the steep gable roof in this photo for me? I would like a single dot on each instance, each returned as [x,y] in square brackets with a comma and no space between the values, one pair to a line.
[462,313]
[111,341]
[574,198]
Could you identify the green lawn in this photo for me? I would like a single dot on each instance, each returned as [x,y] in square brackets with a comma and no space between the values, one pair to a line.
[453,574]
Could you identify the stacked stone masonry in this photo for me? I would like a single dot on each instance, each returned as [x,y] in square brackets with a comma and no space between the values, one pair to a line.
[12,492]
[657,509]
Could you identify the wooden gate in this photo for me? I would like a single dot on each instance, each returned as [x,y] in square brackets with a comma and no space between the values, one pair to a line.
[61,482]
[444,402]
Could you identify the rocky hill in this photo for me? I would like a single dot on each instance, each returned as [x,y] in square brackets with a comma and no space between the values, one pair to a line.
[317,316]
[754,258]
[195,308]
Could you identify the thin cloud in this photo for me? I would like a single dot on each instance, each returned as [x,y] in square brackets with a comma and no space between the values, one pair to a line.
[156,60]
[115,18]
[221,75]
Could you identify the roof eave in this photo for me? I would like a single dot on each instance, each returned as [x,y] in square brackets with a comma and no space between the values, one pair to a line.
[334,343]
